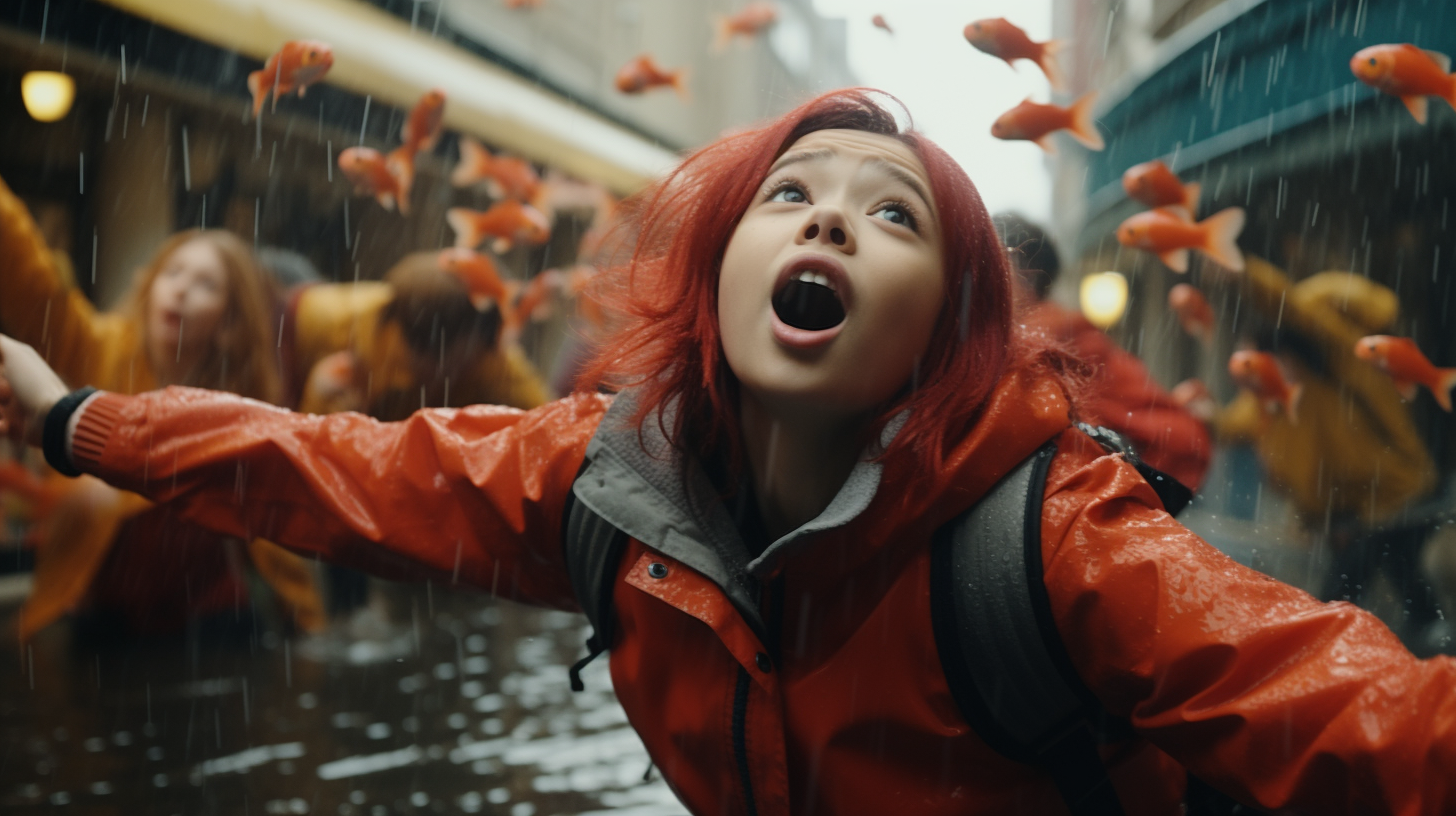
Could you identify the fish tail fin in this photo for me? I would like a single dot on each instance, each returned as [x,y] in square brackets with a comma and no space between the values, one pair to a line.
[1192,191]
[1444,383]
[1291,403]
[401,165]
[461,220]
[258,90]
[1223,230]
[679,80]
[1047,61]
[473,159]
[1084,127]
[722,33]
[386,200]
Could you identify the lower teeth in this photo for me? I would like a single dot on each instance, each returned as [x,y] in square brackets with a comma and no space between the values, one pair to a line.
[808,306]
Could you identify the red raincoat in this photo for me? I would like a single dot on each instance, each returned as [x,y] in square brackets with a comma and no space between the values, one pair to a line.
[1251,683]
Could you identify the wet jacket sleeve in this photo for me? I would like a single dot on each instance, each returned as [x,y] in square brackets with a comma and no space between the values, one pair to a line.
[39,306]
[472,495]
[1256,687]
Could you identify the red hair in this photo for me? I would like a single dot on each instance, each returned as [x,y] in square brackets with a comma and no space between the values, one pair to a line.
[668,346]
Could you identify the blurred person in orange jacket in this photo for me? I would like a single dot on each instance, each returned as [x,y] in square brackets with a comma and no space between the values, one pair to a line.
[197,314]
[818,369]
[1120,393]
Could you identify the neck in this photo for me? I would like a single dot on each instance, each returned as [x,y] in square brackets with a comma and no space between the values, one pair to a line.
[799,463]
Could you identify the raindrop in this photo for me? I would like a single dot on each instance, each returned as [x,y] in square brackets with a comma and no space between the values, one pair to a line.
[377,730]
[155,753]
[101,788]
[60,798]
[186,163]
[95,744]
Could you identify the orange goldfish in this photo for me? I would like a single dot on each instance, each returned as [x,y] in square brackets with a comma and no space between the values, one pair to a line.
[878,21]
[505,176]
[297,65]
[1167,233]
[421,130]
[1259,372]
[509,222]
[373,175]
[642,73]
[1192,395]
[478,272]
[1194,313]
[529,302]
[1407,72]
[1036,123]
[1001,39]
[1403,361]
[747,23]
[1155,185]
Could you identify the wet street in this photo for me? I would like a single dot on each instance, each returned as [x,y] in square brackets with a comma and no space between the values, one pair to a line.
[460,704]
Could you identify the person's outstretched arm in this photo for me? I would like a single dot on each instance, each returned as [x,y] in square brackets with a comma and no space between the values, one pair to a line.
[1256,687]
[471,495]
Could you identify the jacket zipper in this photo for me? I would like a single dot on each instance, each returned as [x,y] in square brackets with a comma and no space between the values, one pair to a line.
[740,737]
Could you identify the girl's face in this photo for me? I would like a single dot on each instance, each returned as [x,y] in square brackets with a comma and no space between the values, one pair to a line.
[188,298]
[832,283]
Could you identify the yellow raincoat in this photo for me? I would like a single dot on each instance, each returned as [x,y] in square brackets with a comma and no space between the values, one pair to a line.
[1353,451]
[86,347]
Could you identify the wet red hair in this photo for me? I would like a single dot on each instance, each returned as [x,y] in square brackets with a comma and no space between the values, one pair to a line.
[668,348]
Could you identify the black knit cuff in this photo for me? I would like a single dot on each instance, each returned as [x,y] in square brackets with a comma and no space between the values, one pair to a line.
[53,436]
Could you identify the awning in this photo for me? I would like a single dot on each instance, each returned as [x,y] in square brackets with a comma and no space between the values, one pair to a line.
[378,55]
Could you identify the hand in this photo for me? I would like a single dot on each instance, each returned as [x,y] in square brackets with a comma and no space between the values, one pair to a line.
[28,391]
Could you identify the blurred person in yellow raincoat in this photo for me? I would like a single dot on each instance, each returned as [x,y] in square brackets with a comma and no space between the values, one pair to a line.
[1351,460]
[413,340]
[197,314]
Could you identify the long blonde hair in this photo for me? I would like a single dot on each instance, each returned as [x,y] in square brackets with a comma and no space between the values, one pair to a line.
[240,354]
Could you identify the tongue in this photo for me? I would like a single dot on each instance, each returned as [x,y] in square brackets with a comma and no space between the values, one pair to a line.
[808,306]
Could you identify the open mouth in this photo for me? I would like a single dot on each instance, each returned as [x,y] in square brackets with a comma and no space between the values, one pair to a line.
[808,300]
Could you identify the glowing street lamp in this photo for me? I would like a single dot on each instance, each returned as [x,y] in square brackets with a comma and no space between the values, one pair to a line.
[1104,298]
[47,94]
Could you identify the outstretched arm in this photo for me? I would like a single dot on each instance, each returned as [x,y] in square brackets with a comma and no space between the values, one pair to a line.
[471,495]
[1252,684]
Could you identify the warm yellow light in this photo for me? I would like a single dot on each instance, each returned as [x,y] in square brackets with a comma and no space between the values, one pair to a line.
[1104,297]
[47,94]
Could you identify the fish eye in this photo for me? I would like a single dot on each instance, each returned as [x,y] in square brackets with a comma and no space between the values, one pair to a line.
[1374,62]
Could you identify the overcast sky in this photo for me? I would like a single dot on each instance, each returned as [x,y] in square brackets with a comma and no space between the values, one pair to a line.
[953,91]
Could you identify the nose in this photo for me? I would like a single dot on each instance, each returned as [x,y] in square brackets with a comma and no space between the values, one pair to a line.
[827,224]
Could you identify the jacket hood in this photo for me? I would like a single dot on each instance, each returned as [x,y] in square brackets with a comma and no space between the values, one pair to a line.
[636,481]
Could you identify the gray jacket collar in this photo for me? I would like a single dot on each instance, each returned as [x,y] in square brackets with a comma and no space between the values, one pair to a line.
[645,488]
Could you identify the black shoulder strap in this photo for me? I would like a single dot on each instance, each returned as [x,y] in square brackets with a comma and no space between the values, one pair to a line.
[1003,658]
[593,550]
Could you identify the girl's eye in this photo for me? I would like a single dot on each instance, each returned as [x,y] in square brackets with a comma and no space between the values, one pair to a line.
[896,214]
[789,194]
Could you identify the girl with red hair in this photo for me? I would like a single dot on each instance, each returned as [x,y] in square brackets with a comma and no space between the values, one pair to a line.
[817,371]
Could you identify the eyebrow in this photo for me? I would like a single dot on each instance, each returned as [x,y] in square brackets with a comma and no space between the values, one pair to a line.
[895,171]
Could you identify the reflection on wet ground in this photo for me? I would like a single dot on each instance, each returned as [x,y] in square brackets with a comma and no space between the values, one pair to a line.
[461,707]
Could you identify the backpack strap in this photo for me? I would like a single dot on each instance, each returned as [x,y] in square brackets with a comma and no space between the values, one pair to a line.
[1003,658]
[593,548]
